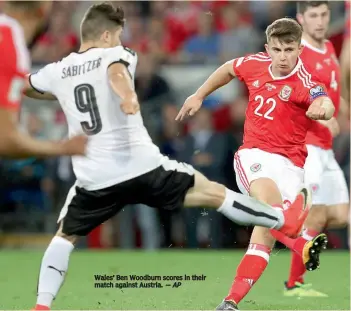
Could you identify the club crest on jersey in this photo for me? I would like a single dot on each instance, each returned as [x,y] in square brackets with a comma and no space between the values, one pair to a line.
[255,167]
[285,93]
[314,188]
[317,91]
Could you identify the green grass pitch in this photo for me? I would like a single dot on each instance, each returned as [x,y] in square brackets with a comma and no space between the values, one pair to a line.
[19,274]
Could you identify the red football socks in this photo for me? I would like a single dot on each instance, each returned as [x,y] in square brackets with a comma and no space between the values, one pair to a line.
[297,268]
[295,245]
[287,241]
[249,271]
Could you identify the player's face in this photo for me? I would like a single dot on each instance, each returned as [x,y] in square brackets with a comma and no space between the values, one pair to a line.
[284,55]
[315,21]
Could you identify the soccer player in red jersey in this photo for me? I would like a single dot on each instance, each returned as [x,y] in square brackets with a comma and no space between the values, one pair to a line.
[283,102]
[19,23]
[322,172]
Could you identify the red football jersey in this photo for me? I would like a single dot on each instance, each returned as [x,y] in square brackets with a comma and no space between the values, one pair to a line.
[276,119]
[326,69]
[14,62]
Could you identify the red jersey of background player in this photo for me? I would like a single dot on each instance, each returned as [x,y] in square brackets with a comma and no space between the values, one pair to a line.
[276,119]
[325,67]
[14,62]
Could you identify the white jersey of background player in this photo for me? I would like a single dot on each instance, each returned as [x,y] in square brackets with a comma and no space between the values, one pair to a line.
[122,165]
[119,146]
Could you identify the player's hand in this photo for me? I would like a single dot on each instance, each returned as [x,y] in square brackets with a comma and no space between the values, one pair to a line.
[75,145]
[190,107]
[332,125]
[316,112]
[130,105]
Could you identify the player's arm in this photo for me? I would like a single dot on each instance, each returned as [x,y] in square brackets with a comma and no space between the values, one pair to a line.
[16,144]
[122,63]
[344,107]
[322,108]
[345,70]
[122,84]
[222,76]
[40,85]
[314,97]
[30,91]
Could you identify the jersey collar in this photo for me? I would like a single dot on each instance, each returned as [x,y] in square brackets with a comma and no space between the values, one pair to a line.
[298,65]
[311,47]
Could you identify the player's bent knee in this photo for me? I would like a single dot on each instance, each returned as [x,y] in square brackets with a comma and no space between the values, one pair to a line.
[71,238]
[317,218]
[339,215]
[215,194]
[266,190]
[344,216]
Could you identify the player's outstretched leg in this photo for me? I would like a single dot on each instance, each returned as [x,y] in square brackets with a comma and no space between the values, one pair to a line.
[246,210]
[53,269]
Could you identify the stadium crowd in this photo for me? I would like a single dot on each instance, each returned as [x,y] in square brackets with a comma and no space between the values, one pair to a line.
[169,34]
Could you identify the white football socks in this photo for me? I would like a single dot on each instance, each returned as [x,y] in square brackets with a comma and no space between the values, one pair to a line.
[53,270]
[245,210]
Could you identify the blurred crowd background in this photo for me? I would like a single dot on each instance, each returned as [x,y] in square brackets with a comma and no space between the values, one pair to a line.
[179,45]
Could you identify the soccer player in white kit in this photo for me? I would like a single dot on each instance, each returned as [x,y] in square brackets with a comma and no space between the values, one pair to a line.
[122,165]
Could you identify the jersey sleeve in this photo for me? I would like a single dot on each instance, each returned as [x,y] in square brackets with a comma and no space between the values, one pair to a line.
[311,93]
[240,68]
[310,86]
[41,81]
[244,66]
[123,55]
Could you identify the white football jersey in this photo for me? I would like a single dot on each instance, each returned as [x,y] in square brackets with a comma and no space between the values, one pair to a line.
[119,146]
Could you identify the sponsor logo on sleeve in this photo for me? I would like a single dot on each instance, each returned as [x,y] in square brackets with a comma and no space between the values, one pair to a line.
[317,91]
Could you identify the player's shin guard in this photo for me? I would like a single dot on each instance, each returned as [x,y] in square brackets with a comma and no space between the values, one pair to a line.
[249,271]
[52,271]
[245,210]
[297,267]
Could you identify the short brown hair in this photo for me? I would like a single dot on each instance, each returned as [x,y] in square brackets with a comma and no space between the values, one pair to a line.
[302,6]
[101,17]
[286,30]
